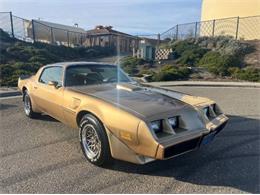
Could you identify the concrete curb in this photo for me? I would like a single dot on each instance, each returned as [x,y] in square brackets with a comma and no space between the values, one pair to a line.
[204,84]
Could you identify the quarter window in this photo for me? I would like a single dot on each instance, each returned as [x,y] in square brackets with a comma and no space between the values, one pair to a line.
[51,74]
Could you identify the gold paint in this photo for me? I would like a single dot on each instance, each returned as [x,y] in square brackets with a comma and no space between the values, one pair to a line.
[75,103]
[125,135]
[129,135]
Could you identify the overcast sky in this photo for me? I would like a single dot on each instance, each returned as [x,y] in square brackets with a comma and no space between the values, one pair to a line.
[130,16]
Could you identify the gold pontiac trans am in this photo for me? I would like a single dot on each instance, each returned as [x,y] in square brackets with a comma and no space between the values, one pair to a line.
[117,117]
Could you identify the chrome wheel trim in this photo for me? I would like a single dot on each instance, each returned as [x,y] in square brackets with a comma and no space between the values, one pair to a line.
[27,104]
[91,142]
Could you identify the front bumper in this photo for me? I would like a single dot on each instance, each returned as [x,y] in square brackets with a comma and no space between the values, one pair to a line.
[177,146]
[168,147]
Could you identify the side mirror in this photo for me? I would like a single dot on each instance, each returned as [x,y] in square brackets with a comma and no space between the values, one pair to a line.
[53,83]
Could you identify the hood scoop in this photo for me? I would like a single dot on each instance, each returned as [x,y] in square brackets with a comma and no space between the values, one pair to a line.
[127,87]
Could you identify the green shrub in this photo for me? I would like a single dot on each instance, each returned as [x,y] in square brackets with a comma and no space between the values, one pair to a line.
[248,74]
[129,64]
[39,59]
[217,54]
[187,52]
[181,46]
[219,64]
[225,45]
[145,72]
[191,50]
[171,73]
[191,57]
[4,37]
[18,57]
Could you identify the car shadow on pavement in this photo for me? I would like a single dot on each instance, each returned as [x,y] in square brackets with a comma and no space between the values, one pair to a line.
[45,117]
[231,160]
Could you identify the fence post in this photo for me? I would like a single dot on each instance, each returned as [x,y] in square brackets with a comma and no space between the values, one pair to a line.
[237,27]
[33,31]
[196,26]
[158,40]
[12,25]
[81,39]
[177,32]
[52,39]
[68,38]
[213,28]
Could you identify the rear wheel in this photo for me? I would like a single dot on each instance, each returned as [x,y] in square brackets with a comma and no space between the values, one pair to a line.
[27,105]
[94,141]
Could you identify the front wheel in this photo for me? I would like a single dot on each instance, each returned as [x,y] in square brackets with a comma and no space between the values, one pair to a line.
[94,141]
[27,106]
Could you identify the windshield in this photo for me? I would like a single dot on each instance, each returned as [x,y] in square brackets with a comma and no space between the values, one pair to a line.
[94,74]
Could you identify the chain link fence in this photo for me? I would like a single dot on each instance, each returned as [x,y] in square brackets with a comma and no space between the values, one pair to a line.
[6,22]
[148,36]
[40,31]
[20,28]
[246,28]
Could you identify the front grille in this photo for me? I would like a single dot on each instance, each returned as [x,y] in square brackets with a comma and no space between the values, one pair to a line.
[181,147]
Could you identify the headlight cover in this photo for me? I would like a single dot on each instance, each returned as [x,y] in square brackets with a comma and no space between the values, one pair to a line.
[174,122]
[156,126]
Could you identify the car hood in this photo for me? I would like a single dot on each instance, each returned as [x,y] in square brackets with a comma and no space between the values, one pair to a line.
[139,100]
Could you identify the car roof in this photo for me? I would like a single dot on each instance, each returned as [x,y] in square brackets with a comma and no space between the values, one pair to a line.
[66,64]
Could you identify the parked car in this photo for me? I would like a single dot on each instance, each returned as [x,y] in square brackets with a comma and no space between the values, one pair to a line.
[117,117]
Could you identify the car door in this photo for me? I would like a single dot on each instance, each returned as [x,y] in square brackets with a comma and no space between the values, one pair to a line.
[49,91]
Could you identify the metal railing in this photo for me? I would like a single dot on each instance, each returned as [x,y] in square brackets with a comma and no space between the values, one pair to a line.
[37,31]
[247,28]
[148,36]
[41,32]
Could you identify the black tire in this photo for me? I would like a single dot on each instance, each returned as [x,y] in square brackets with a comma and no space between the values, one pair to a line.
[89,125]
[27,105]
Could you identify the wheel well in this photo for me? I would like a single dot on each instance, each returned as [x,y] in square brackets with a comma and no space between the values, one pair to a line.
[84,112]
[23,90]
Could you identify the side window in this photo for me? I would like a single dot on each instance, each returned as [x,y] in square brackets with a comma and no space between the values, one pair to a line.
[51,74]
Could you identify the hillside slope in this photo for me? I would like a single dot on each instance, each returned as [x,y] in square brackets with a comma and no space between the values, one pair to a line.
[18,57]
[219,58]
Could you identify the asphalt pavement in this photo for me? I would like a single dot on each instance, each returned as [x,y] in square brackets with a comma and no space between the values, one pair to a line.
[44,156]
